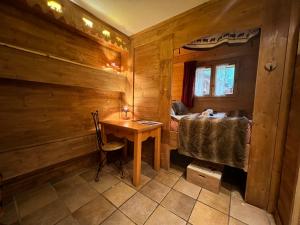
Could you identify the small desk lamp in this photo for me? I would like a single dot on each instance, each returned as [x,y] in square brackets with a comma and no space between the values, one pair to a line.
[126,110]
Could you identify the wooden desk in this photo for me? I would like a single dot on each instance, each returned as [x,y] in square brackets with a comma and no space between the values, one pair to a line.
[136,133]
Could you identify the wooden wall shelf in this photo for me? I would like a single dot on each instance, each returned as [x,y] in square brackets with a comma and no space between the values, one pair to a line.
[20,68]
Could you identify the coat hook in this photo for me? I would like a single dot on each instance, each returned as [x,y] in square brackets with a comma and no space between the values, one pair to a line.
[270,66]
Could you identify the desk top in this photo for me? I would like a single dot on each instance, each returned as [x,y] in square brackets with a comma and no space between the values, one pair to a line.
[130,125]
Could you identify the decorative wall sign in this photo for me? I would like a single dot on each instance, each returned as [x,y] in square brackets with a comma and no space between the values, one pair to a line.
[218,39]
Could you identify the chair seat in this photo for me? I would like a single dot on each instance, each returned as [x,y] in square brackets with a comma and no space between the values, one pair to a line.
[112,146]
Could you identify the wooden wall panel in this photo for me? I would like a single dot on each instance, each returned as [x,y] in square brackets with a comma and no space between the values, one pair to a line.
[20,65]
[45,124]
[177,81]
[40,113]
[287,84]
[25,160]
[46,103]
[54,40]
[146,81]
[246,57]
[291,160]
[269,88]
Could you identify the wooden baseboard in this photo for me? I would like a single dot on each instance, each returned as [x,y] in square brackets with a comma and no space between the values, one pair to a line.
[52,173]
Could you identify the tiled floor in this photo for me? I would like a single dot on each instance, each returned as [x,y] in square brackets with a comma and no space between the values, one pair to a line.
[163,198]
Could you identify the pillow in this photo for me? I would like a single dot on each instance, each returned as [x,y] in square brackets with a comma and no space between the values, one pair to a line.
[179,108]
[172,112]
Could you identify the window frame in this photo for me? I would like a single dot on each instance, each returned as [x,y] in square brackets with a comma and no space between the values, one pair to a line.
[213,65]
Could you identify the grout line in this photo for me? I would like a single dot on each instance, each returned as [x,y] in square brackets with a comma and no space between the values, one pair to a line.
[229,204]
[159,204]
[117,210]
[171,188]
[194,205]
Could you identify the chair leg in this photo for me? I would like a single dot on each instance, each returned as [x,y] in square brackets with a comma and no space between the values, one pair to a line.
[101,165]
[121,168]
[98,172]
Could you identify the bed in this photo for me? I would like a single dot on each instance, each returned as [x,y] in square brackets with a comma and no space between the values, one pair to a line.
[185,142]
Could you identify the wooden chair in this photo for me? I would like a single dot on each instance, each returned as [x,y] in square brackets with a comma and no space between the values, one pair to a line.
[106,147]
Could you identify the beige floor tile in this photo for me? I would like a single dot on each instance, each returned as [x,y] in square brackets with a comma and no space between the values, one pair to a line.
[89,175]
[166,178]
[247,213]
[118,218]
[94,212]
[105,182]
[119,193]
[219,201]
[75,192]
[162,216]
[177,170]
[178,203]
[233,221]
[236,193]
[138,208]
[205,215]
[111,168]
[155,190]
[48,215]
[68,221]
[10,214]
[128,180]
[34,199]
[148,170]
[187,188]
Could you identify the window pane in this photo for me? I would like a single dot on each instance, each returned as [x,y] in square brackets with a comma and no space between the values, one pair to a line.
[224,82]
[202,82]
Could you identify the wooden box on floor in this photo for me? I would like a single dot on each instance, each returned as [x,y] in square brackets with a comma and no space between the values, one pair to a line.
[205,176]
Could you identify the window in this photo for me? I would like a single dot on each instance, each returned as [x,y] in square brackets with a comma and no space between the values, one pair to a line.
[215,80]
[224,81]
[202,82]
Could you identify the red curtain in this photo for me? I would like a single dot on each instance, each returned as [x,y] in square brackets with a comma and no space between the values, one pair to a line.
[189,83]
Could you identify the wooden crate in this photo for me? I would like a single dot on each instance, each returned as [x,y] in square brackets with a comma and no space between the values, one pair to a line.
[208,177]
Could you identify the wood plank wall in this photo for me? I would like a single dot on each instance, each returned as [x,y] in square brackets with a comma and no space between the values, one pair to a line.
[272,103]
[45,102]
[291,161]
[292,155]
[245,56]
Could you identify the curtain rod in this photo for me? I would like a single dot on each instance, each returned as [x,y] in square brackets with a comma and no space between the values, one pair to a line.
[56,58]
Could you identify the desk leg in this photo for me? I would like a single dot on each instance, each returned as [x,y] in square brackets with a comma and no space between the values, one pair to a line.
[157,149]
[137,159]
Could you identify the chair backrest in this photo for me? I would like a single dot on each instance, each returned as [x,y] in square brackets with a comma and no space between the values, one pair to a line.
[98,128]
